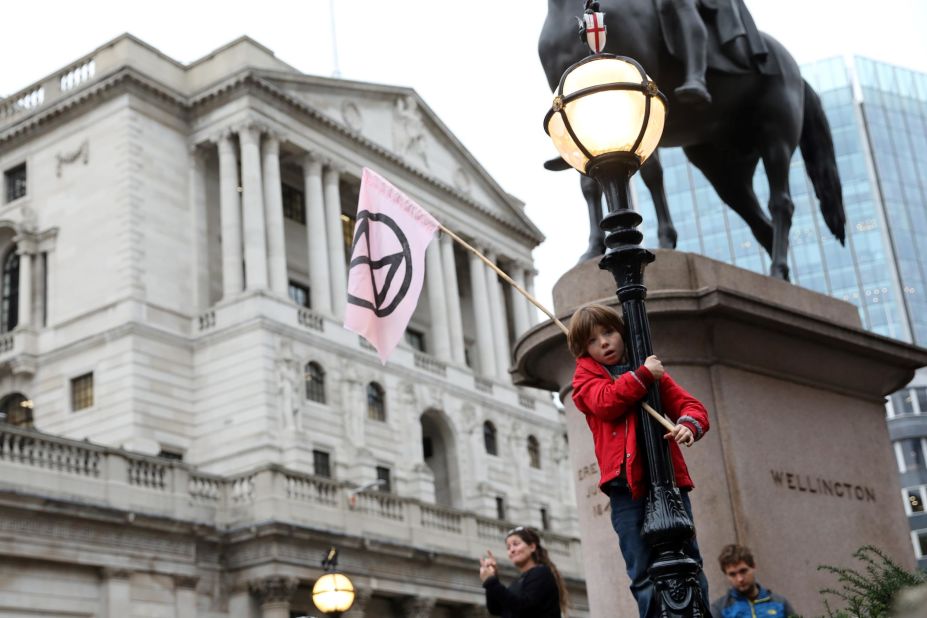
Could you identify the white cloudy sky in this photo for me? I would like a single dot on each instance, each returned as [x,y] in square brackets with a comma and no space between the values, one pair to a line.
[473,61]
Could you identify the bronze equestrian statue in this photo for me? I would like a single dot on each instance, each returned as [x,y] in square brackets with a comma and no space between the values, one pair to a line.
[736,96]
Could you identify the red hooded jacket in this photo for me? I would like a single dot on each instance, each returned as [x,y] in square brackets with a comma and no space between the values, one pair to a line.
[610,406]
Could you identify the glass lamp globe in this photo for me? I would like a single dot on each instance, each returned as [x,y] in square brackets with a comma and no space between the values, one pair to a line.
[333,593]
[606,107]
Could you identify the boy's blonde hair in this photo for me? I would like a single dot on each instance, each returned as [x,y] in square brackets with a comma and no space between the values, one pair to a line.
[584,321]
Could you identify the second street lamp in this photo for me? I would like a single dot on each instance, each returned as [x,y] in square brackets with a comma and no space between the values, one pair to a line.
[606,119]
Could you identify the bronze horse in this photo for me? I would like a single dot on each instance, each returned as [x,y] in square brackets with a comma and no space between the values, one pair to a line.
[754,115]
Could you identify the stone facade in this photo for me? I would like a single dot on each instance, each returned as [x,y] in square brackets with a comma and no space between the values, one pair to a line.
[188,426]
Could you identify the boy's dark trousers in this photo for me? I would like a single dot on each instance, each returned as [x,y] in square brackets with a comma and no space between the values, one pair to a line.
[628,521]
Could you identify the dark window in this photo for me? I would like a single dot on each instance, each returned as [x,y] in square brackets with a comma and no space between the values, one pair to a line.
[416,339]
[15,182]
[16,409]
[10,307]
[383,475]
[376,402]
[915,501]
[903,402]
[315,382]
[82,392]
[321,464]
[172,455]
[428,447]
[299,294]
[500,507]
[294,204]
[913,453]
[545,520]
[534,452]
[922,542]
[347,232]
[921,394]
[489,438]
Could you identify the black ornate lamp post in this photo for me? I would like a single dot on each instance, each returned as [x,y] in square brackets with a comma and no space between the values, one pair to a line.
[606,119]
[333,593]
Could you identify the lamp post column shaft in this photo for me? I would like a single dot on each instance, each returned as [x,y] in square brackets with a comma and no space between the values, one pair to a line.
[667,526]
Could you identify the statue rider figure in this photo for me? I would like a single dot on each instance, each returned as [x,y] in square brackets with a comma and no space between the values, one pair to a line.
[687,37]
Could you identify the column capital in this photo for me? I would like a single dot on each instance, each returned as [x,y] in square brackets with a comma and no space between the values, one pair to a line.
[186,581]
[272,141]
[273,589]
[314,161]
[223,139]
[115,573]
[333,168]
[249,133]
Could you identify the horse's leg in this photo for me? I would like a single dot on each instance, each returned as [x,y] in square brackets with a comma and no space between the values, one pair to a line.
[593,195]
[732,177]
[777,154]
[652,175]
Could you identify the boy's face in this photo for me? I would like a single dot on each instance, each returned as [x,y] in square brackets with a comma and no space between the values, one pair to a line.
[742,577]
[605,345]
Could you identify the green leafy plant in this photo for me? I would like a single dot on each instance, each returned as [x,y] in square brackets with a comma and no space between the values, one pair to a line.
[868,592]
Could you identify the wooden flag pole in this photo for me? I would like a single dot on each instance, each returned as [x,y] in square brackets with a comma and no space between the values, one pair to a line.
[656,415]
[505,277]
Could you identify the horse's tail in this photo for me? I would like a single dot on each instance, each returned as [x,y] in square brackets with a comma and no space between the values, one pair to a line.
[817,149]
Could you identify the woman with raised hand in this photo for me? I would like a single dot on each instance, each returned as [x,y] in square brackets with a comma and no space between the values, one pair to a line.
[538,592]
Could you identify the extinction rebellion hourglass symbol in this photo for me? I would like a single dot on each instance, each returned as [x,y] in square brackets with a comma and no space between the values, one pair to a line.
[389,262]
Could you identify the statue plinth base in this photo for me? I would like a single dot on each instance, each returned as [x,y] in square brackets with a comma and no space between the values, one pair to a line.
[797,465]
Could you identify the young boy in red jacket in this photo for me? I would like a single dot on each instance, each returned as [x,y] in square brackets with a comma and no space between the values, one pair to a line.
[608,392]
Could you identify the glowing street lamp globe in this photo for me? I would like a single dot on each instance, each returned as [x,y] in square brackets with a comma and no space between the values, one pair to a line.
[606,112]
[333,594]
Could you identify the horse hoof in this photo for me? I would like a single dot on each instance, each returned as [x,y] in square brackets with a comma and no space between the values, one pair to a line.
[668,240]
[779,272]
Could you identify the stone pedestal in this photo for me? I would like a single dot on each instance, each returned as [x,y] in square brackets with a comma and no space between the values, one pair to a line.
[797,464]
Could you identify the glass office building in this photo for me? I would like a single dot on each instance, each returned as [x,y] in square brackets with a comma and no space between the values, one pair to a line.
[878,117]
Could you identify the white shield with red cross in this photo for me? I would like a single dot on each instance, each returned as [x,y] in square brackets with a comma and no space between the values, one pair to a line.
[595,30]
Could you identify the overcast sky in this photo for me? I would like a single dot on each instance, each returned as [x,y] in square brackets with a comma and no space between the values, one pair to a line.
[473,61]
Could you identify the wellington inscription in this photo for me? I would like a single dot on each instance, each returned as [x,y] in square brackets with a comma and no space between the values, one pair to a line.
[826,487]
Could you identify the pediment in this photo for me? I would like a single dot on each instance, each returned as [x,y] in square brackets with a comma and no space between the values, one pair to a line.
[398,120]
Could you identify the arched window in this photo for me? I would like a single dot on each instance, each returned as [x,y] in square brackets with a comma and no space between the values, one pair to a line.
[16,409]
[315,382]
[489,438]
[376,402]
[9,309]
[534,452]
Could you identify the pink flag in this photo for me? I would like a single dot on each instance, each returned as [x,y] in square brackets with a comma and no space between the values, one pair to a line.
[387,266]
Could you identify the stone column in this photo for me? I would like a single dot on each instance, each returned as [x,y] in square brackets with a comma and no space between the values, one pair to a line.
[185,597]
[320,291]
[230,213]
[529,287]
[116,593]
[437,302]
[273,212]
[336,266]
[25,249]
[252,209]
[482,317]
[418,607]
[519,303]
[499,327]
[198,217]
[273,595]
[452,294]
